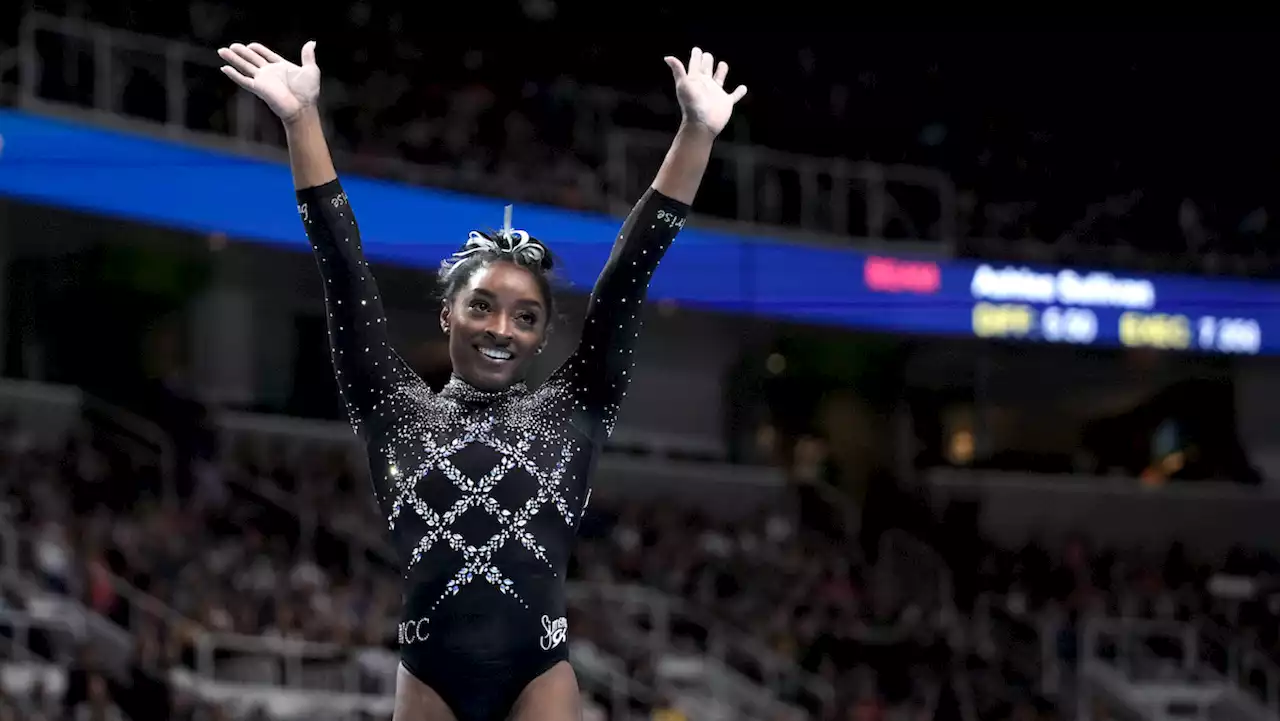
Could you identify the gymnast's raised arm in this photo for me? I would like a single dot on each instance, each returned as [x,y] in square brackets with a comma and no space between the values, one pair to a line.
[599,368]
[367,368]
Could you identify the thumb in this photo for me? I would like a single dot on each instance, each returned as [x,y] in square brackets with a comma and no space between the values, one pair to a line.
[309,53]
[677,67]
[738,94]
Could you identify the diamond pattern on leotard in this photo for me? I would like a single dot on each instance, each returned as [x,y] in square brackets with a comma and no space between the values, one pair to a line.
[477,560]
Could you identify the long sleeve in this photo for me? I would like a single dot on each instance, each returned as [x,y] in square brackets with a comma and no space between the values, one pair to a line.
[368,370]
[599,369]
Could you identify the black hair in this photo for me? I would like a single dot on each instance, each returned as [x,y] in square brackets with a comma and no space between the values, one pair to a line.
[484,249]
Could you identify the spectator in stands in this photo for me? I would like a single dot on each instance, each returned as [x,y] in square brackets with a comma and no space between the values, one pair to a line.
[99,705]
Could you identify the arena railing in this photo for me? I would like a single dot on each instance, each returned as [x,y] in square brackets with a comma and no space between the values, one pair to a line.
[1158,669]
[218,660]
[35,653]
[821,197]
[737,661]
[289,676]
[1238,660]
[834,199]
[40,638]
[88,626]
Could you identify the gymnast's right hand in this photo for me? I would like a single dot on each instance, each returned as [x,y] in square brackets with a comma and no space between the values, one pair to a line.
[288,89]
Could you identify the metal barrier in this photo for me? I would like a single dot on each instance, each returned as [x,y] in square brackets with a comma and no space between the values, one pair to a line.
[736,664]
[1245,666]
[813,199]
[1157,670]
[39,638]
[107,639]
[827,197]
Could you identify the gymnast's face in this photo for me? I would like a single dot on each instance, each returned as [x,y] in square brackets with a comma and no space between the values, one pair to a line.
[497,323]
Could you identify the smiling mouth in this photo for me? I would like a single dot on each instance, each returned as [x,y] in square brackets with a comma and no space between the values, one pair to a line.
[499,355]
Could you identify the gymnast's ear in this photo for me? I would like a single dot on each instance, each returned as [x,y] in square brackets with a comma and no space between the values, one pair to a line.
[444,316]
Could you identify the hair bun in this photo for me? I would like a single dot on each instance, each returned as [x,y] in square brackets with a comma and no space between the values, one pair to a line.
[513,244]
[530,251]
[478,242]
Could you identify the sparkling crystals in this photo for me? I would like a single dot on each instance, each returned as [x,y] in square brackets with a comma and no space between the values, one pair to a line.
[481,489]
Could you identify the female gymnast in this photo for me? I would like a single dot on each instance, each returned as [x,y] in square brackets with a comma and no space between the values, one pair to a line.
[484,483]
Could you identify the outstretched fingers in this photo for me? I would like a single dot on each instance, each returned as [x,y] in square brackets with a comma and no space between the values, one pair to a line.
[309,53]
[677,67]
[722,71]
[265,52]
[704,63]
[237,61]
[249,54]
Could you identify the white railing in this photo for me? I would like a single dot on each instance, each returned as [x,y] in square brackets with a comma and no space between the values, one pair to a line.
[833,199]
[281,673]
[1239,662]
[607,677]
[88,625]
[1158,668]
[294,664]
[826,197]
[777,674]
[61,635]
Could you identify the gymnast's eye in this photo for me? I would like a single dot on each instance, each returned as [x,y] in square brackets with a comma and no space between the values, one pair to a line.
[480,305]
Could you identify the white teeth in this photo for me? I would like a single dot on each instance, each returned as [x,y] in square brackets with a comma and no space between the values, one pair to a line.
[496,353]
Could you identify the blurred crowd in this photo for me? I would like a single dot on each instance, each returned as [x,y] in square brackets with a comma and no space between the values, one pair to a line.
[223,561]
[1085,161]
[1234,593]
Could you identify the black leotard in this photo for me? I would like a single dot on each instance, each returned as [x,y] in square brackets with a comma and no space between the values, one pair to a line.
[483,491]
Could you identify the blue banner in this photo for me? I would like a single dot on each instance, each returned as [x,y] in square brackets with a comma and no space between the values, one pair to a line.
[157,181]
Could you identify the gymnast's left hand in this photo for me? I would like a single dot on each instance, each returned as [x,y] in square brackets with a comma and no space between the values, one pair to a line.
[700,90]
